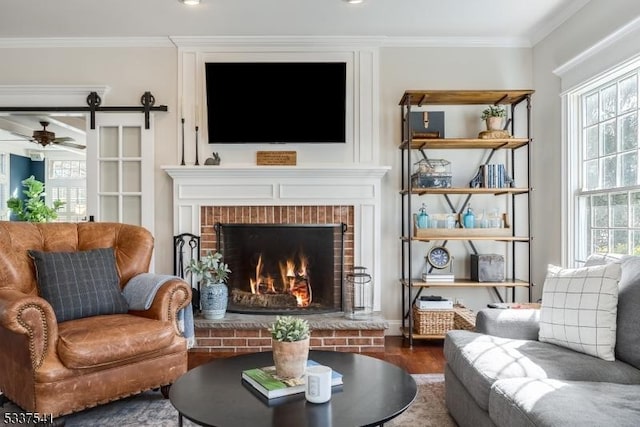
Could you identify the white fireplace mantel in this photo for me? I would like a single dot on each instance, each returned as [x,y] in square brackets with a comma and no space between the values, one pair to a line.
[357,185]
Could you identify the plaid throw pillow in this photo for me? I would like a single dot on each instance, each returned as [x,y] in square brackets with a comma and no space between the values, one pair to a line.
[79,284]
[579,308]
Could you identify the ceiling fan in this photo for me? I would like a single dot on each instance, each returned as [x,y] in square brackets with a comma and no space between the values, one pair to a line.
[45,137]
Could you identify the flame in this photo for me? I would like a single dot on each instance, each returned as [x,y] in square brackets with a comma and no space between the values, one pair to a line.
[294,280]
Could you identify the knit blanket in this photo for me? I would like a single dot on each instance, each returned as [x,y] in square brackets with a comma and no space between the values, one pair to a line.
[140,292]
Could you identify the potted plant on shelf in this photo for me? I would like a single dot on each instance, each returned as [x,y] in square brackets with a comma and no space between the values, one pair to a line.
[494,116]
[213,275]
[33,207]
[290,344]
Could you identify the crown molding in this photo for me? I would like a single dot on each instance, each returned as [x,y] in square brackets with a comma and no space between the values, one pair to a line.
[233,42]
[547,26]
[454,41]
[617,36]
[275,42]
[56,42]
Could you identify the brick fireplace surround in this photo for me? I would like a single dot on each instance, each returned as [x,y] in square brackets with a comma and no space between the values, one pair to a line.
[281,195]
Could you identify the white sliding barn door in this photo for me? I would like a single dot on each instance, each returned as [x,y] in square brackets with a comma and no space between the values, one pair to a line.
[120,170]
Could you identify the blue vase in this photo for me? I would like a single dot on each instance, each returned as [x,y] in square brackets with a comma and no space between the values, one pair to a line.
[213,300]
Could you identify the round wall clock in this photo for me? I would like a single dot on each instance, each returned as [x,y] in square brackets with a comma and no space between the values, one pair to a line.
[439,257]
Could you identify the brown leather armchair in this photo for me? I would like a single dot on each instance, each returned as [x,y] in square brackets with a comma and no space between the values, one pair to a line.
[59,368]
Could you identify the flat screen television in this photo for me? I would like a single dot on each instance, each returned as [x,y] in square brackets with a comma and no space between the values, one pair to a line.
[276,102]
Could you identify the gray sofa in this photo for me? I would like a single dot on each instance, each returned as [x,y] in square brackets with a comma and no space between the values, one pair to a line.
[501,375]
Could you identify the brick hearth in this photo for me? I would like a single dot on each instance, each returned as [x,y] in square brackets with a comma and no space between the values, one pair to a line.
[243,333]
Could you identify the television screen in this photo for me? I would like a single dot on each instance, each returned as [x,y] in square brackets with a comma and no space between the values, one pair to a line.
[276,102]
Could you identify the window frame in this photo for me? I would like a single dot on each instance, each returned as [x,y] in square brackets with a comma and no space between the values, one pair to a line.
[575,243]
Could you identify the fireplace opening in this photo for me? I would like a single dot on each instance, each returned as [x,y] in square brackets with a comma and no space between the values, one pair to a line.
[283,268]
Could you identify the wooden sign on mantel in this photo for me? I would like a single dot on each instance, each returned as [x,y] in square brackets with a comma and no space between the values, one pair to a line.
[276,158]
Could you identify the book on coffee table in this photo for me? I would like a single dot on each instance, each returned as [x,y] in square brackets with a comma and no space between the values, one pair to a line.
[266,382]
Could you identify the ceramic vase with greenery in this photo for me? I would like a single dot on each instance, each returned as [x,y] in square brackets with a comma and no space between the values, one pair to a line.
[212,274]
[33,208]
[494,116]
[290,344]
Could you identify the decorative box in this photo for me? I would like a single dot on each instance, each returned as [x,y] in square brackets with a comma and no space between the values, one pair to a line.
[487,268]
[433,173]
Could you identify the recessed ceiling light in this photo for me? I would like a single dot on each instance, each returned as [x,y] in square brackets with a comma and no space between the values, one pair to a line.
[354,1]
[190,2]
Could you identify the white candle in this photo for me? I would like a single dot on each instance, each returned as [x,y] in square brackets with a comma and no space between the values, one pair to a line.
[196,115]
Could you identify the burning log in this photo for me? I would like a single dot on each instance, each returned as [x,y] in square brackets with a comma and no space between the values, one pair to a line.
[263,300]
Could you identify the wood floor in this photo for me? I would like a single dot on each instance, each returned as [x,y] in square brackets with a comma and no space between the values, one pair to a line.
[425,357]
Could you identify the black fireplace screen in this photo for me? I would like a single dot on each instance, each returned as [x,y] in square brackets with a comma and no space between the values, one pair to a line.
[283,268]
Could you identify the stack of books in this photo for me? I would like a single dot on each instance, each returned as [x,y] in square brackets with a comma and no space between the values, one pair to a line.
[434,303]
[268,384]
[438,277]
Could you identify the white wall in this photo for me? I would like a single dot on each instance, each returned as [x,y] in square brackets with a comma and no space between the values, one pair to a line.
[587,27]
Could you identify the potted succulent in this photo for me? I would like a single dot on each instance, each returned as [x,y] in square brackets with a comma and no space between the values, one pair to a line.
[213,274]
[33,208]
[290,344]
[494,116]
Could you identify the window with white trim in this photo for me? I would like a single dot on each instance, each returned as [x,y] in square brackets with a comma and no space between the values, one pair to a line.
[66,181]
[604,157]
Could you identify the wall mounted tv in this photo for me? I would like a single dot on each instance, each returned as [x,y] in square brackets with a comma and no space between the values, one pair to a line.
[276,102]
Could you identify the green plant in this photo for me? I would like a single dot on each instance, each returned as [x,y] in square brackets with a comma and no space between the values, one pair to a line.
[209,268]
[289,329]
[494,111]
[33,209]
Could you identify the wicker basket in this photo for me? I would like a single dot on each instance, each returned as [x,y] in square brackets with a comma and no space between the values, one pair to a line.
[432,322]
[464,318]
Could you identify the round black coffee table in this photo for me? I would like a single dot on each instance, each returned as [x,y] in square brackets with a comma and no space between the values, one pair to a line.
[214,394]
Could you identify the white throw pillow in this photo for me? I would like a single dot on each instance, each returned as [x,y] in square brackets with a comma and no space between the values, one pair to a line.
[579,308]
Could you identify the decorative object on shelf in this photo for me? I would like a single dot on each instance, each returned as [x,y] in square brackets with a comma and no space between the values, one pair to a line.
[487,267]
[290,344]
[492,176]
[494,134]
[276,158]
[33,207]
[469,218]
[213,274]
[439,257]
[197,163]
[494,116]
[432,173]
[214,161]
[427,124]
[422,219]
[359,301]
[182,163]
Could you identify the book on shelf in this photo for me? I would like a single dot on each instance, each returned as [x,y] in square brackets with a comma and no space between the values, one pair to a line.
[266,382]
[444,304]
[438,277]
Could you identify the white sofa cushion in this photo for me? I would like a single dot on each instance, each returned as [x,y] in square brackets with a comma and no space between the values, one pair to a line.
[579,308]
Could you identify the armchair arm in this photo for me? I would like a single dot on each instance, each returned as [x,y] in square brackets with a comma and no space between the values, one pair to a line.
[509,323]
[31,316]
[172,296]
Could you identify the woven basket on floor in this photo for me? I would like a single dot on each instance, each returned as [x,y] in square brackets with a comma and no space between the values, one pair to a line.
[432,322]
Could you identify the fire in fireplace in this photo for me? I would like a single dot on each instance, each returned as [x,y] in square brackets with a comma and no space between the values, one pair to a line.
[283,268]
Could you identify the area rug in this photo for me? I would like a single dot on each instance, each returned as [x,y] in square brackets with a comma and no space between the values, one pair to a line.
[151,409]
